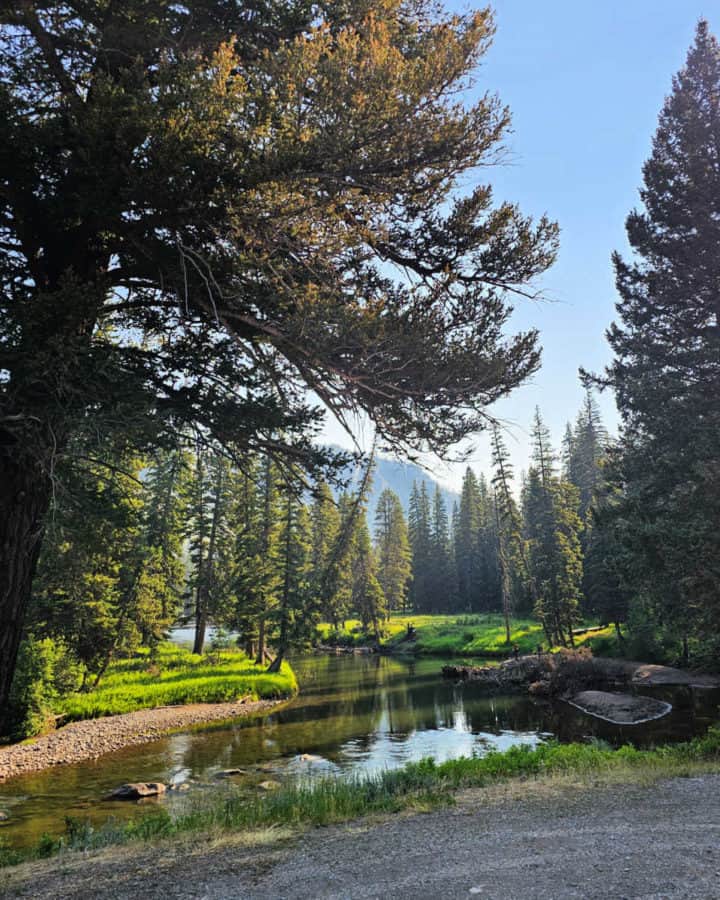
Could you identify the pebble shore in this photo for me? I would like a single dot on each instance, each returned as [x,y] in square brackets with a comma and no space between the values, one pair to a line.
[92,738]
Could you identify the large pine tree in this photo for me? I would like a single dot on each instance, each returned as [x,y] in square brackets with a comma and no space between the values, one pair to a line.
[666,370]
[201,205]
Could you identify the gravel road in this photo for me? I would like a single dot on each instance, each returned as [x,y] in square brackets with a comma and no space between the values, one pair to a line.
[618,842]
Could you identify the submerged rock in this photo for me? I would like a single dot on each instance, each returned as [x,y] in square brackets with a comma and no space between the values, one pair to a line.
[137,790]
[620,709]
[269,785]
[228,773]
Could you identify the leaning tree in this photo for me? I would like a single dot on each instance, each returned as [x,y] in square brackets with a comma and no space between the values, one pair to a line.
[230,216]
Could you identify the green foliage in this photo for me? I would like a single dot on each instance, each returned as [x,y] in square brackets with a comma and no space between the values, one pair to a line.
[393,551]
[46,671]
[176,676]
[666,344]
[315,118]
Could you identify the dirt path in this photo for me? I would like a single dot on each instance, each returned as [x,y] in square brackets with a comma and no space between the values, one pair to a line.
[616,842]
[94,737]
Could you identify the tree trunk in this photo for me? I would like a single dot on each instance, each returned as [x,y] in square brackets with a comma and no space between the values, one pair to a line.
[260,658]
[200,625]
[25,493]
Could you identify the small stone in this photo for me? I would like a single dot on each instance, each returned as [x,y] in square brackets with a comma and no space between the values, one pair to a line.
[137,790]
[269,785]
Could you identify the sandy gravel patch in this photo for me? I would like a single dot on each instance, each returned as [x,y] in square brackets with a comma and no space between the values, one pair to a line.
[92,738]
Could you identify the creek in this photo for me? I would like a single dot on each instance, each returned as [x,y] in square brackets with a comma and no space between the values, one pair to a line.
[354,715]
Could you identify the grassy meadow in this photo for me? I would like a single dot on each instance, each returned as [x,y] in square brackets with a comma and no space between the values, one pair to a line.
[176,676]
[458,635]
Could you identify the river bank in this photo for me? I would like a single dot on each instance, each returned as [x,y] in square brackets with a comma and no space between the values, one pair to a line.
[591,834]
[424,784]
[92,738]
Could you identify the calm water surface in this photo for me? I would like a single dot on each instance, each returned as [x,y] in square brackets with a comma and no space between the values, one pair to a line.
[355,714]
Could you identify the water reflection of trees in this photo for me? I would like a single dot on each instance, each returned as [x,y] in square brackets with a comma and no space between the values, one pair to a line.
[349,704]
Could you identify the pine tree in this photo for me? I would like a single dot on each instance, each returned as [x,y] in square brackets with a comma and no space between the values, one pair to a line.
[368,599]
[586,451]
[146,147]
[513,563]
[552,530]
[393,551]
[466,542]
[666,370]
[325,518]
[295,615]
[420,535]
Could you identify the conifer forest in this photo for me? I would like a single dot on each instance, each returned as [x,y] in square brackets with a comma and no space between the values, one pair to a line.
[226,228]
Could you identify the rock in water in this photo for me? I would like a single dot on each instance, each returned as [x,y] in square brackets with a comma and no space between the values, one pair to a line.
[620,709]
[228,773]
[269,785]
[138,790]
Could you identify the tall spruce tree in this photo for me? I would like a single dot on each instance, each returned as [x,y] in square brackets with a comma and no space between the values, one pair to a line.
[441,578]
[466,542]
[393,551]
[552,529]
[666,370]
[420,534]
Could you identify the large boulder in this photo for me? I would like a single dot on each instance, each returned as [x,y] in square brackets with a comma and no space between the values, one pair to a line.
[137,790]
[620,709]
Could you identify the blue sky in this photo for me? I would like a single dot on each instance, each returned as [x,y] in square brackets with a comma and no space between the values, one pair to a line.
[585,82]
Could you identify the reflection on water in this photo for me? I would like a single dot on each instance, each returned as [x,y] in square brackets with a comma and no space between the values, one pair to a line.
[354,715]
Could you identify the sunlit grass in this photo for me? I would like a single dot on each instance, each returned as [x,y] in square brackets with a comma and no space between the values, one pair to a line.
[177,676]
[456,635]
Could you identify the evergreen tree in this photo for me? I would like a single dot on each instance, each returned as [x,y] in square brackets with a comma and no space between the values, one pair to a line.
[325,521]
[552,529]
[666,370]
[466,542]
[420,535]
[513,564]
[441,577]
[585,452]
[258,552]
[368,599]
[393,551]
[146,147]
[295,614]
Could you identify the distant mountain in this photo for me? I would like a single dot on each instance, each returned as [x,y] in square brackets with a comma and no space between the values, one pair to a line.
[399,477]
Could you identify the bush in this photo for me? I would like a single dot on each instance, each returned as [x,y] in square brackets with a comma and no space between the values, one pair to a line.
[45,672]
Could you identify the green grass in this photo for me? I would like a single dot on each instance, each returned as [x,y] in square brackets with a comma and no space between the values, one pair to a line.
[459,635]
[424,784]
[175,677]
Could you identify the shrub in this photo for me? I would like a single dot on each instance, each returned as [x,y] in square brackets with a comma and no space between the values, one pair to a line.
[44,673]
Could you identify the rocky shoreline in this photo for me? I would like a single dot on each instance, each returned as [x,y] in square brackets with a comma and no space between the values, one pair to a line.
[596,686]
[92,738]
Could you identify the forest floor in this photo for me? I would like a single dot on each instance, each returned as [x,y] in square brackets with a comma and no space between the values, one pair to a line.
[568,836]
[91,738]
